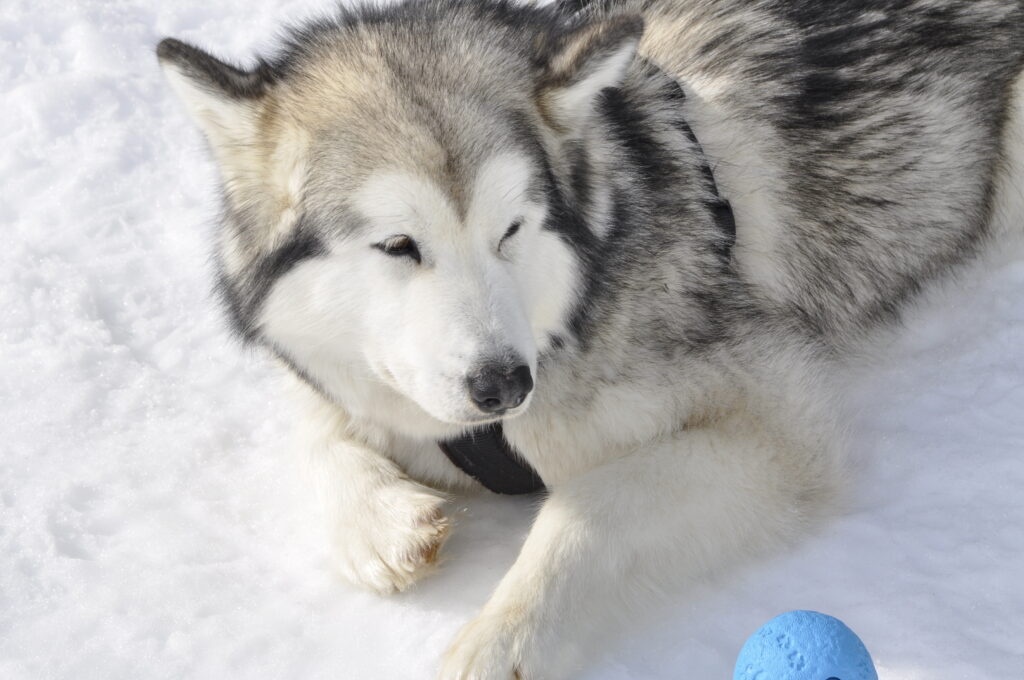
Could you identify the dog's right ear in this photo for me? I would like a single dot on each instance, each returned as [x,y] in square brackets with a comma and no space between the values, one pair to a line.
[582,62]
[224,101]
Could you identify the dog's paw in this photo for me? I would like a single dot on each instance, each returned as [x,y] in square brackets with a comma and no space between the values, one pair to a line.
[392,540]
[487,648]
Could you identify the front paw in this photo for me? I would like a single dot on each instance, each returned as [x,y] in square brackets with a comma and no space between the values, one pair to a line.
[490,647]
[392,539]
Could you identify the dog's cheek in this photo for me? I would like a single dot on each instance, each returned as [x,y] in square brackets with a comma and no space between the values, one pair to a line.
[549,274]
[311,310]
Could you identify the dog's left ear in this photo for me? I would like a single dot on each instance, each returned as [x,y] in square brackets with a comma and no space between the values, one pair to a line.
[225,101]
[232,106]
[584,61]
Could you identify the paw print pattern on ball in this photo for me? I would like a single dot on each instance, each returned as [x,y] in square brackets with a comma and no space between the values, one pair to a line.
[804,645]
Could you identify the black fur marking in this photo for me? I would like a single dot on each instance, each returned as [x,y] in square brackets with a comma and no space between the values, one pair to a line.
[244,298]
[726,221]
[214,74]
[486,456]
[632,129]
[580,178]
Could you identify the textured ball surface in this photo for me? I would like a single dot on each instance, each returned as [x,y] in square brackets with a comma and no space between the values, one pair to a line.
[804,645]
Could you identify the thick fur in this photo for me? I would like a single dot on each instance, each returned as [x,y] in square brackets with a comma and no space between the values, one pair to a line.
[549,165]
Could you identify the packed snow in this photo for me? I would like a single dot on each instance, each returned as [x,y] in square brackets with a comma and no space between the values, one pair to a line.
[152,523]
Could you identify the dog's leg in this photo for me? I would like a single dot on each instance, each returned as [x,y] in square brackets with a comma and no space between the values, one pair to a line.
[386,528]
[684,507]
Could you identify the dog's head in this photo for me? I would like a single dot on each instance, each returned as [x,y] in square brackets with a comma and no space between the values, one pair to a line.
[388,184]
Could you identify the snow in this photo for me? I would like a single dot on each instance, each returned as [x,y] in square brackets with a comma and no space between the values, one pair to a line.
[152,524]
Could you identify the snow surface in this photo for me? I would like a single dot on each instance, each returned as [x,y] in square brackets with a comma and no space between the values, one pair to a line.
[152,525]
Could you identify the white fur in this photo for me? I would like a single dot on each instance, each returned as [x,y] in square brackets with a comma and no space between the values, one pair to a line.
[660,514]
[386,529]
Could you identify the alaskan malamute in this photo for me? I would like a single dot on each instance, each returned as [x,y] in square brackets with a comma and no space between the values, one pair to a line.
[614,248]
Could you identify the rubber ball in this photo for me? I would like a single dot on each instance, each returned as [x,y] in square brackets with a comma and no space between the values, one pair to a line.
[803,645]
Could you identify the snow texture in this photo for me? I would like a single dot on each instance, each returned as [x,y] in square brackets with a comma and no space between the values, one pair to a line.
[152,524]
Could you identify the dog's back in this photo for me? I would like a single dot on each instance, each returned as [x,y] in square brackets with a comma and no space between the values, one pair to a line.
[860,143]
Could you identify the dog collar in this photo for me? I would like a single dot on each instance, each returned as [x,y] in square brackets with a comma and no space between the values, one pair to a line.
[485,455]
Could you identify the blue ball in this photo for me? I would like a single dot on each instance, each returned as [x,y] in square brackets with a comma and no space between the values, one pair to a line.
[804,646]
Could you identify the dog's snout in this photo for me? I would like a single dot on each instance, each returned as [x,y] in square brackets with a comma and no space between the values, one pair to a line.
[497,388]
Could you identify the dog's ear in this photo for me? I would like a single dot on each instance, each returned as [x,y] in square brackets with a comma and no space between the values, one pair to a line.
[224,101]
[582,62]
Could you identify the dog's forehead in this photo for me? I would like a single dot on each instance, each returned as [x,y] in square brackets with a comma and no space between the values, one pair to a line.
[373,110]
[398,78]
[502,188]
[422,169]
[389,98]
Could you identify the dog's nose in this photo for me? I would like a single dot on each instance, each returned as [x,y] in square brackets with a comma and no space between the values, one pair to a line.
[495,389]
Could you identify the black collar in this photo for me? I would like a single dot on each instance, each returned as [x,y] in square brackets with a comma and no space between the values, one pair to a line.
[485,455]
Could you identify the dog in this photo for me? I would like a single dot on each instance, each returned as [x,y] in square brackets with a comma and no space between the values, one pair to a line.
[618,248]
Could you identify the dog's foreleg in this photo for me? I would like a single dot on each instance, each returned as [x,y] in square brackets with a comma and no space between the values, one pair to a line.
[685,507]
[386,529]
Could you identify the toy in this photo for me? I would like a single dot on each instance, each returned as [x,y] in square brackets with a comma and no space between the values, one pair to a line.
[803,645]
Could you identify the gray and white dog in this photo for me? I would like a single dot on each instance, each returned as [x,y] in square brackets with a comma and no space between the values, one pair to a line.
[640,236]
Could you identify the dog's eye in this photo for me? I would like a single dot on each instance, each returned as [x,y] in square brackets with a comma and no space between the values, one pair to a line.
[510,232]
[399,246]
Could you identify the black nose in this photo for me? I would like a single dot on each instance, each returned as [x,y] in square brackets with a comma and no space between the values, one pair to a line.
[497,388]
